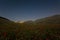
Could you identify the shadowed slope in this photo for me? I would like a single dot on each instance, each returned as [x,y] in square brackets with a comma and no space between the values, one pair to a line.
[53,19]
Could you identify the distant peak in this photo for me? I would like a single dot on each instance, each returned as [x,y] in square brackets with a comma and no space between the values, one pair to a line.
[3,18]
[56,16]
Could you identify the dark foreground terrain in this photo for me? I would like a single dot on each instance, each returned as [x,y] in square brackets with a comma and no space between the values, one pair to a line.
[42,29]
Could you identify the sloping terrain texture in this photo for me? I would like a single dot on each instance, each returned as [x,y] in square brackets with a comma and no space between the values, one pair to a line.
[41,29]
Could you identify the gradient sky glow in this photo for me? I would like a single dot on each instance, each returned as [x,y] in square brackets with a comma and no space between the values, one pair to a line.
[28,9]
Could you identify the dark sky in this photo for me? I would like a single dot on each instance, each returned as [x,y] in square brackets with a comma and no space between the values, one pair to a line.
[28,9]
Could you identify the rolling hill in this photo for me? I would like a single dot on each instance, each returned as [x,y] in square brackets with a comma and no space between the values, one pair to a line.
[49,20]
[41,29]
[7,25]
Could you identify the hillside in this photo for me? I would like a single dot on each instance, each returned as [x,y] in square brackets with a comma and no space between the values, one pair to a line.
[42,29]
[4,20]
[49,20]
[7,25]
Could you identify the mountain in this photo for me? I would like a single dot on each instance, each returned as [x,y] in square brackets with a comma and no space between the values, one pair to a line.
[7,25]
[49,20]
[28,22]
[4,20]
[40,29]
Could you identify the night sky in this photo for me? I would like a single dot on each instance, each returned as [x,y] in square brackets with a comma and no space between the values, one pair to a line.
[28,9]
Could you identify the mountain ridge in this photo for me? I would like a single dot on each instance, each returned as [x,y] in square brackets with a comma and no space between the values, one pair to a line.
[50,19]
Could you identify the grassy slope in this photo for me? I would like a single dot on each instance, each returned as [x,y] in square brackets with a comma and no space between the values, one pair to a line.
[31,31]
